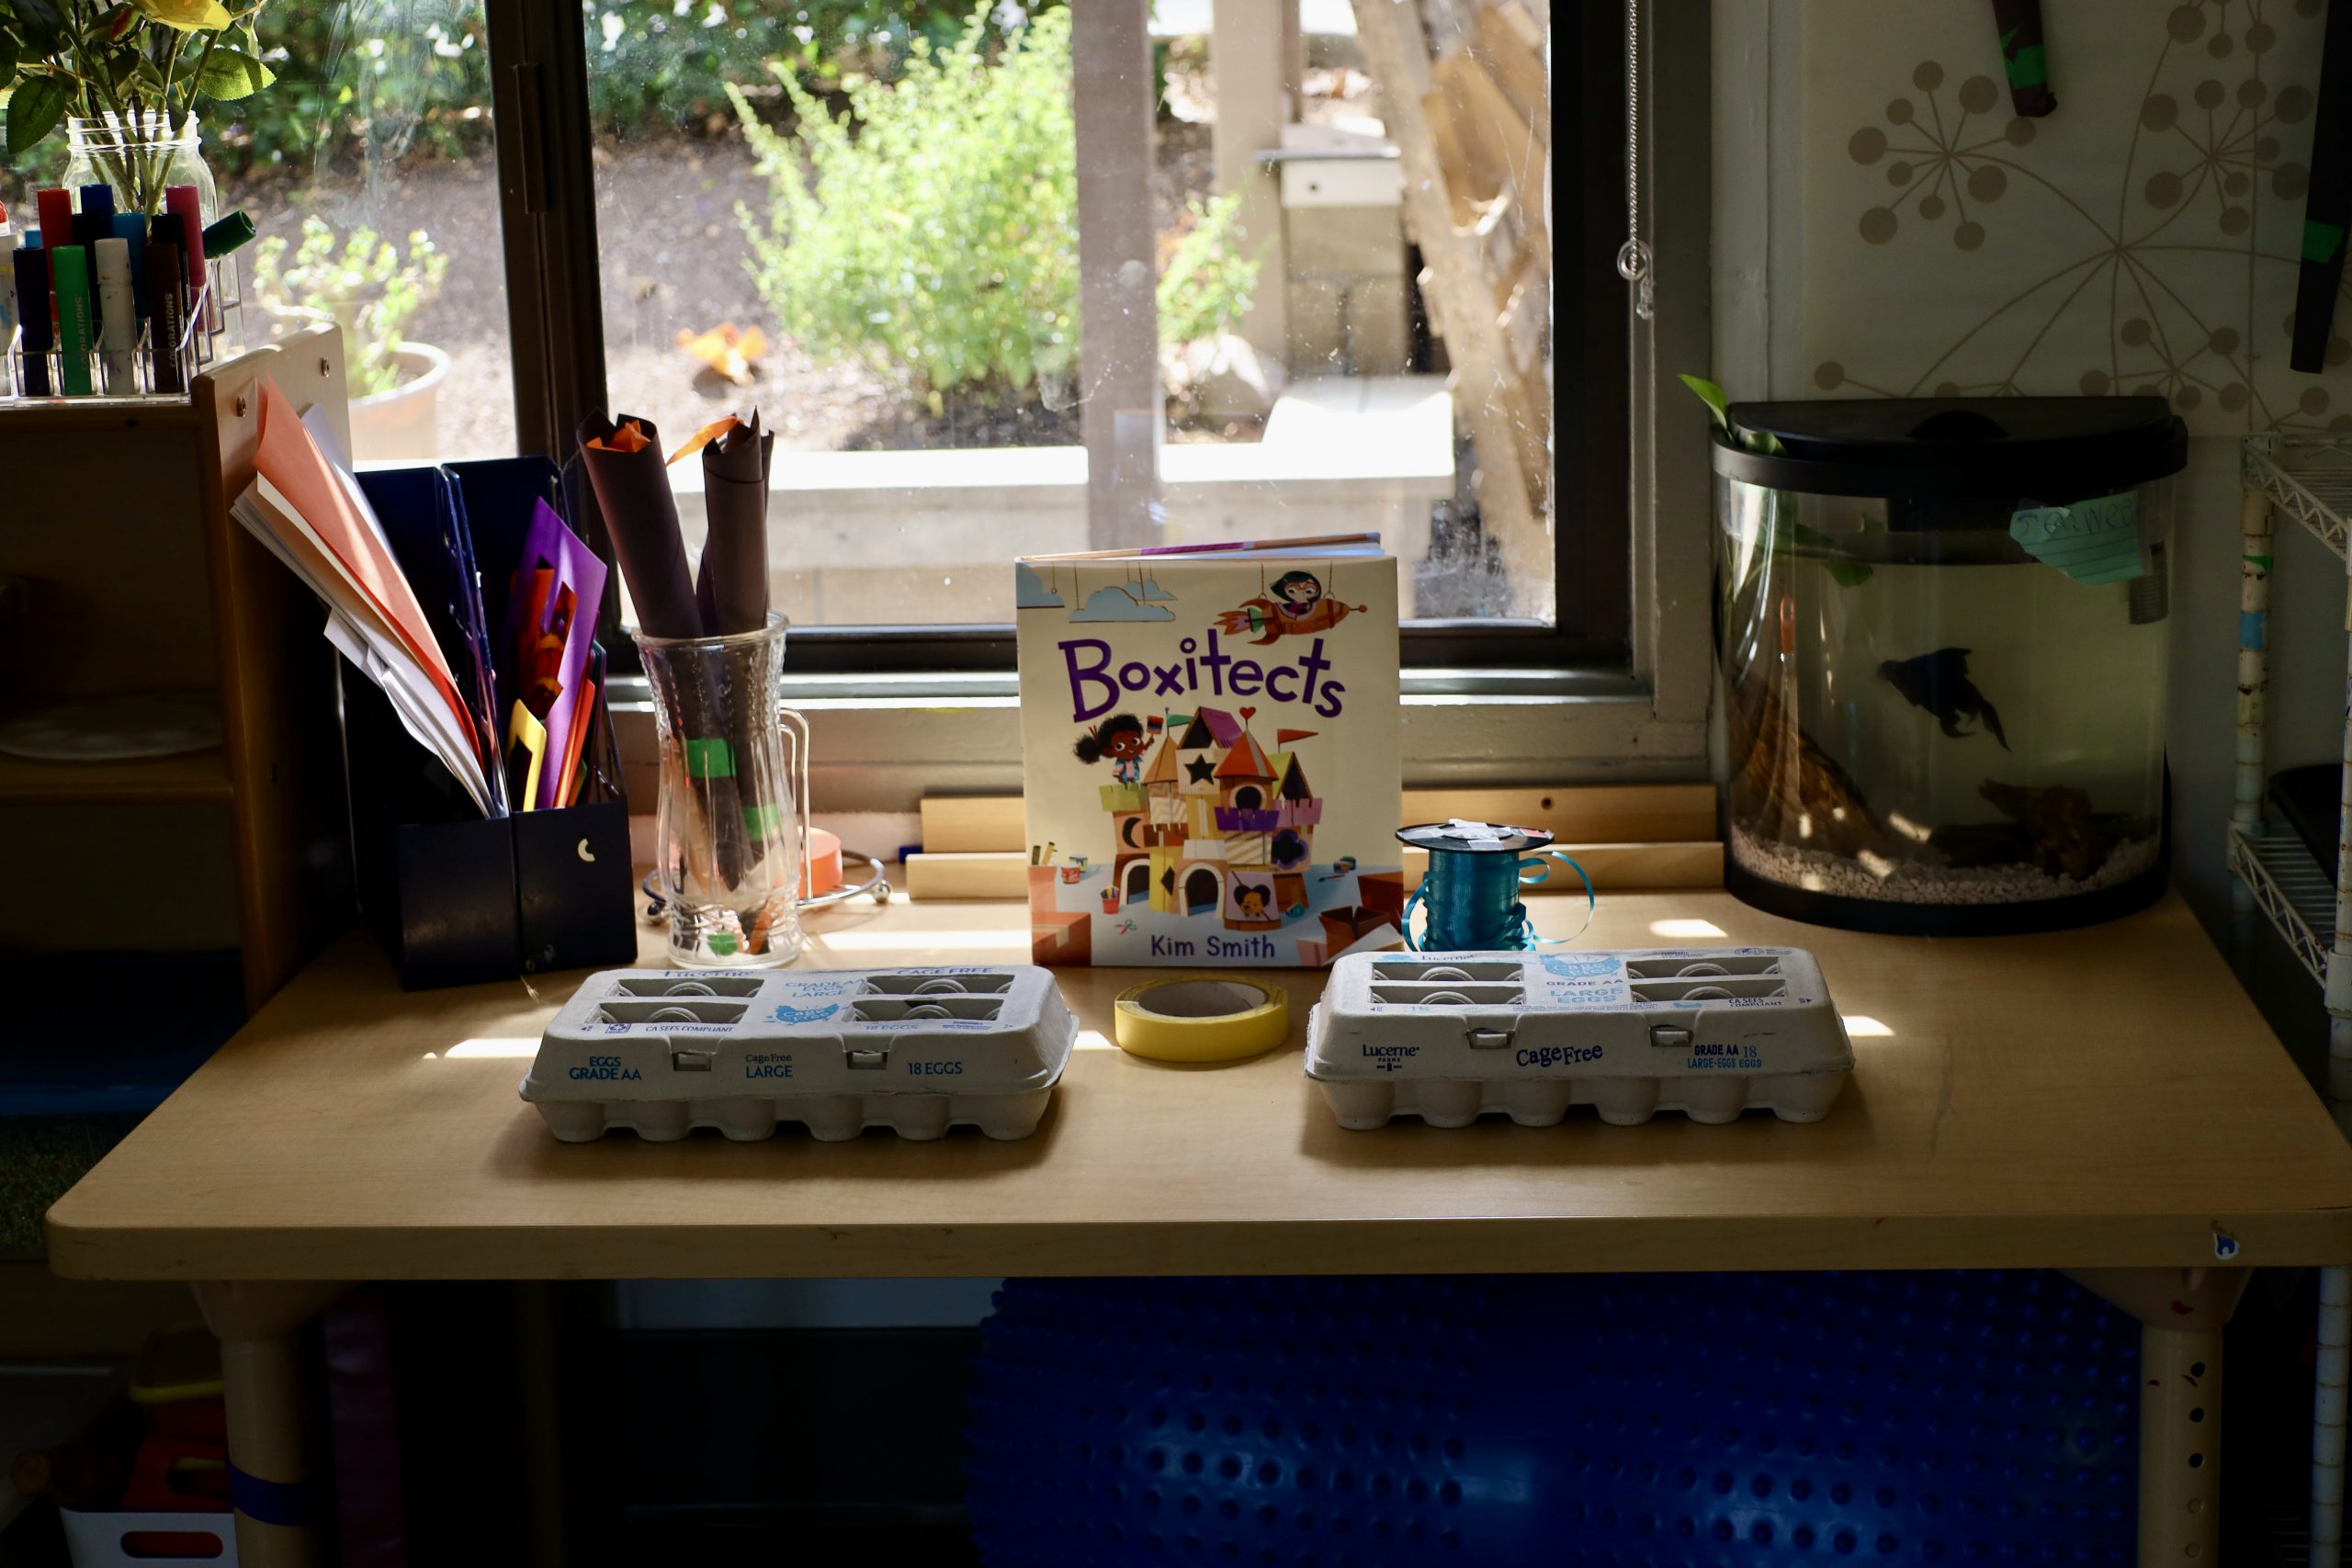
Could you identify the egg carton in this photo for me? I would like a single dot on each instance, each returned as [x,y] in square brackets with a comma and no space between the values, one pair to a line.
[1451,1036]
[918,1051]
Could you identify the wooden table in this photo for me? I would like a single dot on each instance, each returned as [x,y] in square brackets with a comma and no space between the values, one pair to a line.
[2106,1101]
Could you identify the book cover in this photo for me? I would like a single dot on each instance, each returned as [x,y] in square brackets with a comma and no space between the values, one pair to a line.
[1209,756]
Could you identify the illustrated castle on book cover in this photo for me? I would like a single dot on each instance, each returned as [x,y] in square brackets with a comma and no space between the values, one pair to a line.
[1211,817]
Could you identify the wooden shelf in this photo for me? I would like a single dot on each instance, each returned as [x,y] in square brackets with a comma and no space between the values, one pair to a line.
[196,776]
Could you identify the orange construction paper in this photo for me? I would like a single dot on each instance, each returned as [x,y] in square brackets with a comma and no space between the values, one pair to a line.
[287,457]
[704,436]
[627,438]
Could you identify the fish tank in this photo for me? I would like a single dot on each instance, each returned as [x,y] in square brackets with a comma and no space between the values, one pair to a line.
[1941,624]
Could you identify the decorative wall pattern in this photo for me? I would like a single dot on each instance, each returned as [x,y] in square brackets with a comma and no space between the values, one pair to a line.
[2141,239]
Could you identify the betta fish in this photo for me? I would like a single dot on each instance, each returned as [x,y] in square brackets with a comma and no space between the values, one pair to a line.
[1939,682]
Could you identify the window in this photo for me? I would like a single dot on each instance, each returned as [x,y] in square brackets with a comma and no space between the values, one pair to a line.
[874,223]
[369,166]
[1002,276]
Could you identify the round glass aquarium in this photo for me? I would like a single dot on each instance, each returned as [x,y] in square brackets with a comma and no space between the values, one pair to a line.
[1941,624]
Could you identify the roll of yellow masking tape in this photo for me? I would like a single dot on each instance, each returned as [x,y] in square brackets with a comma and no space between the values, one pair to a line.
[1201,1018]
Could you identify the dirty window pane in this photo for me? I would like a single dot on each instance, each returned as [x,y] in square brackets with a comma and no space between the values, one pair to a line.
[369,167]
[370,171]
[867,221]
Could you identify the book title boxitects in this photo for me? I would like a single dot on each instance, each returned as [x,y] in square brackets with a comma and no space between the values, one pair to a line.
[1209,756]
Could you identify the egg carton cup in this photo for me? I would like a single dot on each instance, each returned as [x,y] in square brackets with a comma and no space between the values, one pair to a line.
[664,1051]
[1451,1036]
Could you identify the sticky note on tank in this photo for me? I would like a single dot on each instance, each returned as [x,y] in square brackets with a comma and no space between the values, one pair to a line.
[2091,541]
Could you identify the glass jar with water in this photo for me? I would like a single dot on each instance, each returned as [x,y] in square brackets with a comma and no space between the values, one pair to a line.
[1941,629]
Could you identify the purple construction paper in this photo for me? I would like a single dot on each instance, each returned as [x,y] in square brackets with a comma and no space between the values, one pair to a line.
[548,543]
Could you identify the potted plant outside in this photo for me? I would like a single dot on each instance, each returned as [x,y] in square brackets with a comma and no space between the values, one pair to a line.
[372,289]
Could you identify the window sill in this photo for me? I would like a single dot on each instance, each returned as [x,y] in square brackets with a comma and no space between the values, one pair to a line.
[887,740]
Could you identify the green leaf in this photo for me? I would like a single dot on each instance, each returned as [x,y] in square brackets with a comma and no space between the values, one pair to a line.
[9,54]
[232,73]
[42,23]
[34,109]
[1712,396]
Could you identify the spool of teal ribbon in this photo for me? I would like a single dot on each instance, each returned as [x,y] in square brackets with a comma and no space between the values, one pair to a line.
[1470,893]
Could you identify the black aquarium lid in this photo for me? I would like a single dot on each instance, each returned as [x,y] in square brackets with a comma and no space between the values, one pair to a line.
[2046,448]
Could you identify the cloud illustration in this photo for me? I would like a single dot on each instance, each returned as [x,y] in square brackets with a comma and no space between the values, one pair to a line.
[1154,593]
[1117,605]
[1029,590]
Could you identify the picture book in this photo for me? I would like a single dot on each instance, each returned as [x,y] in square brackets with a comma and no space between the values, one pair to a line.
[1209,754]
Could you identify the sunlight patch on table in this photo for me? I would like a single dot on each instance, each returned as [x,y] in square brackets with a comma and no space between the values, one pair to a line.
[491,1046]
[1685,929]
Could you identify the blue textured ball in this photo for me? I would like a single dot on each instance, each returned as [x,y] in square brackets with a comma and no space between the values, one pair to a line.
[1673,1421]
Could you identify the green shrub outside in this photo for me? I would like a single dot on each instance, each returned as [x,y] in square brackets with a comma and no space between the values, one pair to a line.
[933,226]
[387,77]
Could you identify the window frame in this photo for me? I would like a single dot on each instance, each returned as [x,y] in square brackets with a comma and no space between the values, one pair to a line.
[898,713]
[540,64]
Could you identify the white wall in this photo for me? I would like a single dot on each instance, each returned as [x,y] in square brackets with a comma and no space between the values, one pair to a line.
[1816,102]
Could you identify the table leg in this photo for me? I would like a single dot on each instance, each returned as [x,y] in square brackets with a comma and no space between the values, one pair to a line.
[2328,1390]
[2181,1313]
[259,1326]
[2180,1429]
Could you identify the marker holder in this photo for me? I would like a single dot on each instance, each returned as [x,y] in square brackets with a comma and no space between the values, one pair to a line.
[454,897]
[199,348]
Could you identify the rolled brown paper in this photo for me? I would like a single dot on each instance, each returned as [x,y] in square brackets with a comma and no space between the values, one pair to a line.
[624,469]
[632,484]
[732,592]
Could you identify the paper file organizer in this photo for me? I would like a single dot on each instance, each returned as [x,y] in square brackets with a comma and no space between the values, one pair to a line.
[1451,1036]
[454,897]
[918,1051]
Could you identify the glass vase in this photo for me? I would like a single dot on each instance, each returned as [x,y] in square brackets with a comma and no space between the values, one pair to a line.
[729,851]
[139,157]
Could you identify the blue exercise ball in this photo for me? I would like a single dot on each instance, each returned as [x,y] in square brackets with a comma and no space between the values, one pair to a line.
[1648,1421]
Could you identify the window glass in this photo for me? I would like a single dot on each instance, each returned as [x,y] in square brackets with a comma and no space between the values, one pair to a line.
[371,174]
[872,222]
[367,165]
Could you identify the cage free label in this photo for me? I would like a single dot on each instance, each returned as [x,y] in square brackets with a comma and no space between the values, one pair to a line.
[2091,541]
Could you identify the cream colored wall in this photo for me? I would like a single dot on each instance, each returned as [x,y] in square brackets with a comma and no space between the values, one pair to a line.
[1830,280]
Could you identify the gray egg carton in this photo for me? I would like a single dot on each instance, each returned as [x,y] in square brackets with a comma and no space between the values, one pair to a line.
[1451,1036]
[918,1051]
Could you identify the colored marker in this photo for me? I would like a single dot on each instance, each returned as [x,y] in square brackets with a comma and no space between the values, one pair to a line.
[228,235]
[167,287]
[165,229]
[93,222]
[9,240]
[56,207]
[118,318]
[180,202]
[130,228]
[70,274]
[31,269]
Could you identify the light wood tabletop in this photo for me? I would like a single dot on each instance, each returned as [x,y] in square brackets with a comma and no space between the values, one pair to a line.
[2100,1098]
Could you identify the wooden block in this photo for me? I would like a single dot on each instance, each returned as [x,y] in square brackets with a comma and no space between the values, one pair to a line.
[959,824]
[1635,868]
[1587,814]
[1615,868]
[983,873]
